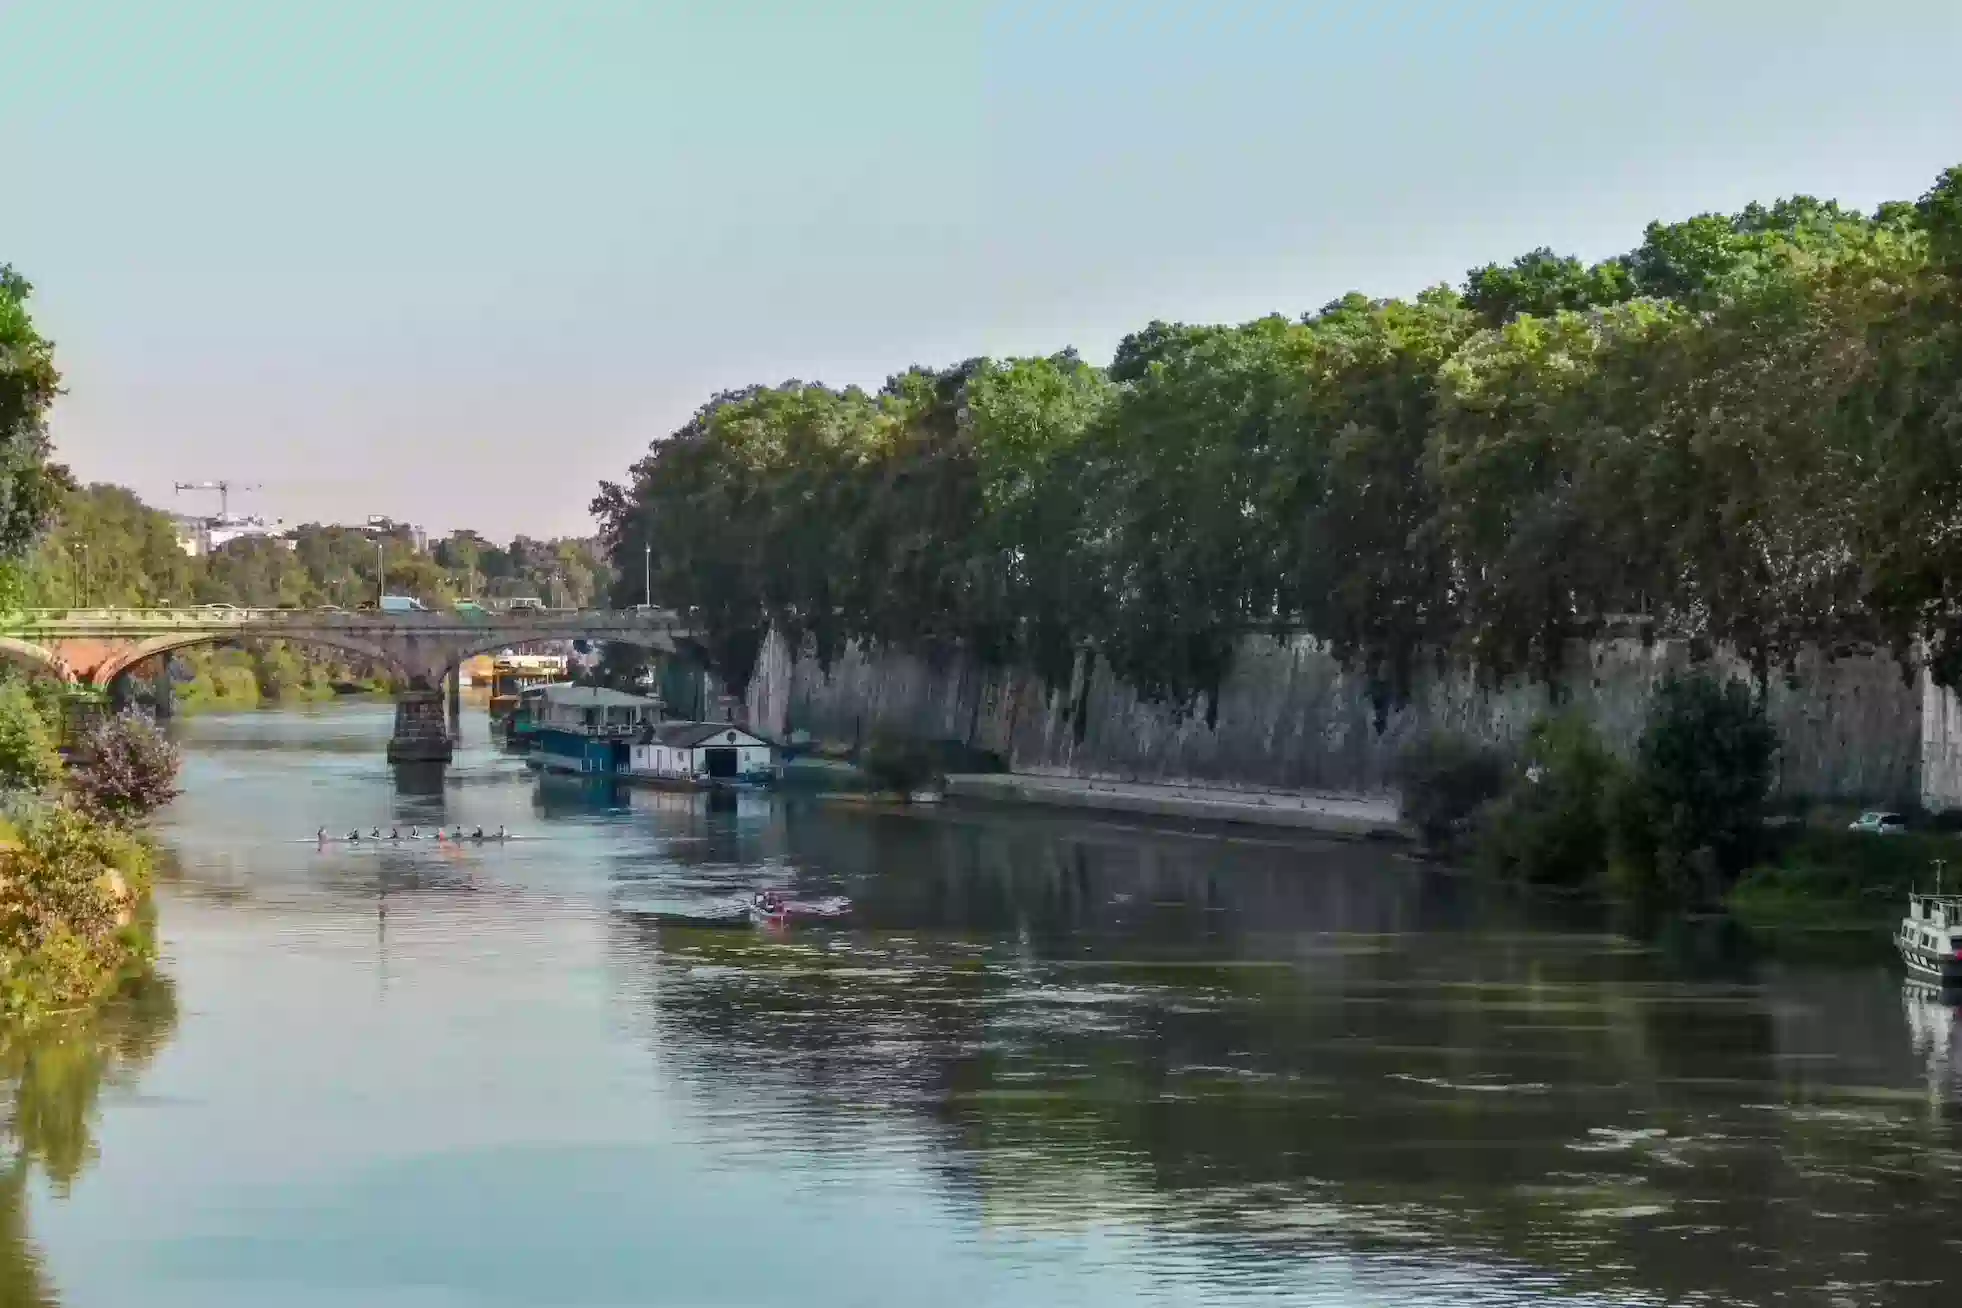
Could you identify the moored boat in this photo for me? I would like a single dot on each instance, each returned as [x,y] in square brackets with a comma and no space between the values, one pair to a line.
[1930,938]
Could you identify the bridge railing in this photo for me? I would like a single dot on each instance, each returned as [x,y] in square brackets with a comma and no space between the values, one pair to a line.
[209,616]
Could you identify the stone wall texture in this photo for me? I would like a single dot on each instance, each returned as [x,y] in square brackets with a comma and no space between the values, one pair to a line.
[1290,717]
[1941,748]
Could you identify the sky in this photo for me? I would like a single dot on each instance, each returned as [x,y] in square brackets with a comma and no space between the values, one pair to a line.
[457,262]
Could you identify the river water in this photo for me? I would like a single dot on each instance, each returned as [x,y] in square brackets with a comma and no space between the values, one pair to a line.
[1050,1060]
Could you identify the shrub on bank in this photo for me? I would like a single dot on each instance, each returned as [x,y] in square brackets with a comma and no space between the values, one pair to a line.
[1553,823]
[1694,816]
[72,894]
[1446,780]
[895,765]
[1676,826]
[126,768]
[30,753]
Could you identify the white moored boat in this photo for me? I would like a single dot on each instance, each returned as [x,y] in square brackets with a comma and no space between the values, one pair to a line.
[1930,938]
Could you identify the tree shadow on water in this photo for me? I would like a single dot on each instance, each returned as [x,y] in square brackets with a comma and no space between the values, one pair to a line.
[52,1078]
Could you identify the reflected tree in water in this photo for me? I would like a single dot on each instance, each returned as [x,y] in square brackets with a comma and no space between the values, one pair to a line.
[53,1078]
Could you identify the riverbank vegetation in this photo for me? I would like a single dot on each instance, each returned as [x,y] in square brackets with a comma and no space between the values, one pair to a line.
[74,873]
[1676,824]
[1685,823]
[74,868]
[1741,432]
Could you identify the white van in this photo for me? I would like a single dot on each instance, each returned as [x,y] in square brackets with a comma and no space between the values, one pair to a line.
[402,604]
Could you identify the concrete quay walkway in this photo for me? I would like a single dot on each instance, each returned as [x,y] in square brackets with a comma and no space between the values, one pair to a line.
[1343,815]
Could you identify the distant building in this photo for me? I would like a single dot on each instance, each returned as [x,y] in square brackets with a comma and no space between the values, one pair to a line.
[197,537]
[418,538]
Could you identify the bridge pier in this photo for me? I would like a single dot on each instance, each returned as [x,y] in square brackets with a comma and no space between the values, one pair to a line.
[420,736]
[456,705]
[163,691]
[122,692]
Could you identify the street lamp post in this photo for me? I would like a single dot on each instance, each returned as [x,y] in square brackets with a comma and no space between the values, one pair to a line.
[381,571]
[647,574]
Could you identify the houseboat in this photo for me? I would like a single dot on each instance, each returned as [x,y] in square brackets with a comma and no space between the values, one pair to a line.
[1930,939]
[513,674]
[583,729]
[693,755]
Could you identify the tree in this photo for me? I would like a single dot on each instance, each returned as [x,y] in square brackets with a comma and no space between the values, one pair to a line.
[30,486]
[128,768]
[30,757]
[1554,824]
[1693,817]
[1542,283]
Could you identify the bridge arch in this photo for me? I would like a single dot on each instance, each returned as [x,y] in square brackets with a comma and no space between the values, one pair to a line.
[113,667]
[34,658]
[658,641]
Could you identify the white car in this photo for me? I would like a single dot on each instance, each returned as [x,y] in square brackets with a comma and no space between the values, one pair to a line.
[1880,824]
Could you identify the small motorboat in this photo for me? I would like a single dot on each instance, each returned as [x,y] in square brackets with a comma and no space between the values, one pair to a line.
[778,908]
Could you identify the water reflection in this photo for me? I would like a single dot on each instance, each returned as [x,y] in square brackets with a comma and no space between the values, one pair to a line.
[53,1078]
[1284,1053]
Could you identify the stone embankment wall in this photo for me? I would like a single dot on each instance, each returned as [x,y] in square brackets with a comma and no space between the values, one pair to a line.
[1290,717]
[1941,748]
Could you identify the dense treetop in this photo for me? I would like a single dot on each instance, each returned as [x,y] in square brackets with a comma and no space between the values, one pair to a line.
[1746,430]
[29,382]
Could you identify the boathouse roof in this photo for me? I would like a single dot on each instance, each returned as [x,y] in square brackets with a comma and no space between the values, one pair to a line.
[688,735]
[591,697]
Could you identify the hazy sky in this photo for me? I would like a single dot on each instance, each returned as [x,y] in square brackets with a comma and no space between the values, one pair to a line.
[456,262]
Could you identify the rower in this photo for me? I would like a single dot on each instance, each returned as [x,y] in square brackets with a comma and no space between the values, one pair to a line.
[321,835]
[354,837]
[415,833]
[395,833]
[376,834]
[477,833]
[500,834]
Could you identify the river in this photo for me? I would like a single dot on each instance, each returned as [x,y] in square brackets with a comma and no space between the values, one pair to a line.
[1050,1060]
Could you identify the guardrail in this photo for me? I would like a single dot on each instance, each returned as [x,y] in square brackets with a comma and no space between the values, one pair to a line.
[220,615]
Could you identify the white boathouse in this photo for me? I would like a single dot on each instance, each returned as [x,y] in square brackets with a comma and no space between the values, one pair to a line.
[703,751]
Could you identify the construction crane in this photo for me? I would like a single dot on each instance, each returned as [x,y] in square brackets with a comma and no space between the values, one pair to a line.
[224,489]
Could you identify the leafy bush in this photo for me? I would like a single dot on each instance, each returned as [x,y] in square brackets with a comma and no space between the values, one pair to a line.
[895,765]
[30,756]
[1692,818]
[1445,780]
[128,768]
[1553,825]
[69,899]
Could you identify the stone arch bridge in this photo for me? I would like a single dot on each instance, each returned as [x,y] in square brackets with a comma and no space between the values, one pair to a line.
[98,647]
